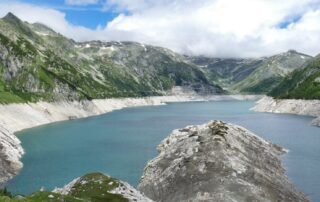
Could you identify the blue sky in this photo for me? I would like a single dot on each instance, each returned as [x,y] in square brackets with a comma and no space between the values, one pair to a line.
[90,16]
[219,28]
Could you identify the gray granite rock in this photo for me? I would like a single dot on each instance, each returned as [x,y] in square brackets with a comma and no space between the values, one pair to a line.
[10,154]
[217,162]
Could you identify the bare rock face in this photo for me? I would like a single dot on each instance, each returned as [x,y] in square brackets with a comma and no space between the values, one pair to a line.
[10,154]
[217,162]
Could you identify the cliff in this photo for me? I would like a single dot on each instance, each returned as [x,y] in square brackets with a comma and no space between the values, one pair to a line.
[217,162]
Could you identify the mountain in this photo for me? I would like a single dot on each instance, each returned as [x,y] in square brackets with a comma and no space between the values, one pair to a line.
[272,70]
[227,71]
[258,75]
[301,84]
[36,63]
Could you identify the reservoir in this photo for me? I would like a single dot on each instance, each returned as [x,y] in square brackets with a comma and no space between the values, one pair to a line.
[120,143]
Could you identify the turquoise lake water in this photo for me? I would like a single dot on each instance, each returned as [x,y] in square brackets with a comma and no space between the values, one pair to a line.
[121,142]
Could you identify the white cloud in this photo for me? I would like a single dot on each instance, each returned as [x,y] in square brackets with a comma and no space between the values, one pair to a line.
[221,28]
[51,17]
[81,2]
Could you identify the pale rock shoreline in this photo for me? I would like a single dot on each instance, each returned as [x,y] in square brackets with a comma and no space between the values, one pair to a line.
[16,117]
[290,106]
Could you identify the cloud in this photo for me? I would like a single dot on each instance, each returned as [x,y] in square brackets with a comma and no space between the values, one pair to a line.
[51,17]
[224,28]
[219,28]
[81,2]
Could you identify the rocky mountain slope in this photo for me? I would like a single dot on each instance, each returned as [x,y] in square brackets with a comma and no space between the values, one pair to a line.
[298,93]
[227,71]
[301,84]
[93,187]
[37,63]
[272,71]
[217,162]
[258,75]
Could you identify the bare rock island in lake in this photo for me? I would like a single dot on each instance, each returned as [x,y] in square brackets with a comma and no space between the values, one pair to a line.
[217,162]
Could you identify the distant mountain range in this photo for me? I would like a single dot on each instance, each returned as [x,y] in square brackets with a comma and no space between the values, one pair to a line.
[258,75]
[36,63]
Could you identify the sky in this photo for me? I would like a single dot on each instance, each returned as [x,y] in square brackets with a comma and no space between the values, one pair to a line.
[215,28]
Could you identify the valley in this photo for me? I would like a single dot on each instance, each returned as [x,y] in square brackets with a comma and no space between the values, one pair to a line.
[48,80]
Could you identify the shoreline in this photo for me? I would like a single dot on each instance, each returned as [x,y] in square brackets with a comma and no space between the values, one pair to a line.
[16,117]
[290,106]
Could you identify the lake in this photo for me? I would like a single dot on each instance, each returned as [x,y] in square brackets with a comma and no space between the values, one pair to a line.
[121,142]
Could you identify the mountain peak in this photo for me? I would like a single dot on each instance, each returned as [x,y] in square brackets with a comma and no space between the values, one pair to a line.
[10,16]
[292,51]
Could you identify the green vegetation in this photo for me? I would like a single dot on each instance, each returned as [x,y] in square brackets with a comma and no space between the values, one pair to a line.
[264,85]
[271,71]
[41,196]
[254,76]
[301,84]
[7,97]
[40,64]
[93,187]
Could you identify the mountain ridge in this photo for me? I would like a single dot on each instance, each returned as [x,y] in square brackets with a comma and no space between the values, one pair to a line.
[41,64]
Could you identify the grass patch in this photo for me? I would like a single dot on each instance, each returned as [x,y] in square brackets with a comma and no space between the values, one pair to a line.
[95,186]
[8,97]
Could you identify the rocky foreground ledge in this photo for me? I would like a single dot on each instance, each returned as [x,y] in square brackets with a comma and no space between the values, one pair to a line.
[92,187]
[217,162]
[290,106]
[100,187]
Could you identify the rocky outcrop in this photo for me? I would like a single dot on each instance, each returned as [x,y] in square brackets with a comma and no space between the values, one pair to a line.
[98,185]
[10,154]
[92,187]
[217,162]
[290,106]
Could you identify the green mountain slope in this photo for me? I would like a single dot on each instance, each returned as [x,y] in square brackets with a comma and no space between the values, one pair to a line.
[227,71]
[36,63]
[252,75]
[271,71]
[301,84]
